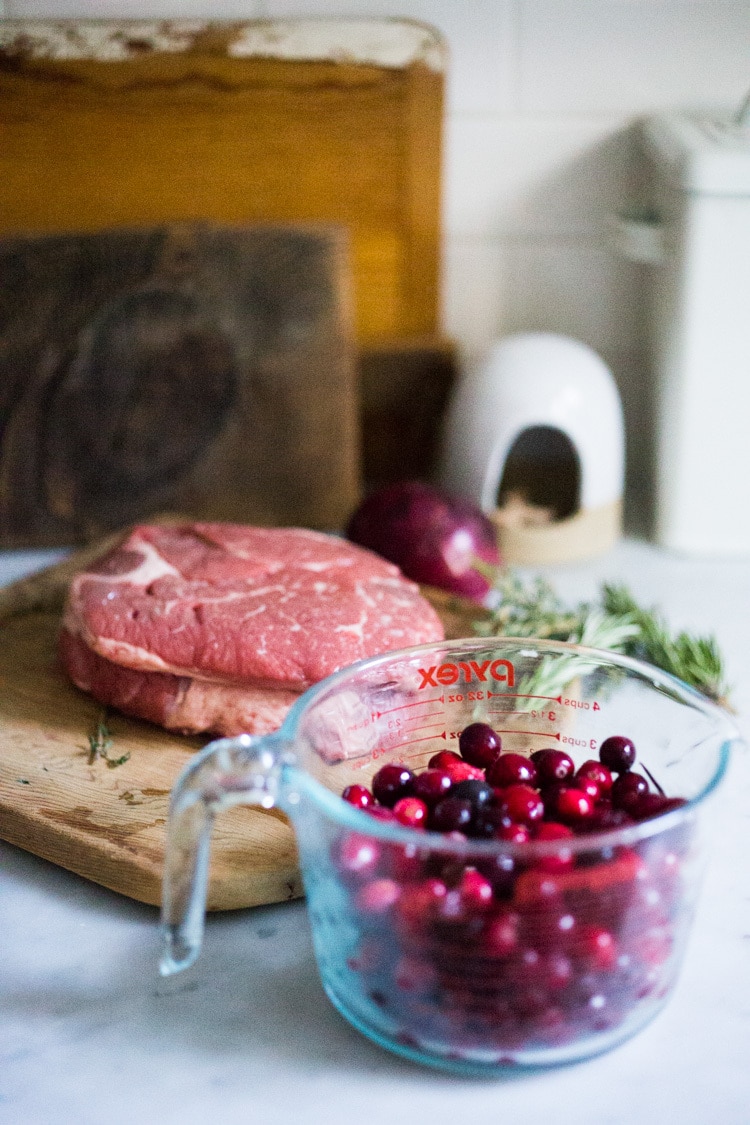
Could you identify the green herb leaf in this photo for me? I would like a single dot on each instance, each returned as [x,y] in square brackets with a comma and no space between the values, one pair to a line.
[615,623]
[100,743]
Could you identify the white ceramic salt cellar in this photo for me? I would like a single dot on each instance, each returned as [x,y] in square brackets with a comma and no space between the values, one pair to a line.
[547,406]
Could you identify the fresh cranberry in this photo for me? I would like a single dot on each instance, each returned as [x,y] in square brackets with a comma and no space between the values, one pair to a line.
[402,862]
[597,947]
[560,860]
[617,753]
[548,923]
[357,855]
[627,789]
[379,812]
[431,786]
[552,765]
[538,890]
[488,820]
[411,812]
[595,771]
[604,818]
[572,805]
[478,792]
[645,805]
[452,909]
[475,889]
[377,897]
[462,771]
[514,833]
[479,745]
[358,796]
[417,903]
[556,970]
[530,1001]
[523,804]
[442,759]
[452,814]
[501,871]
[391,783]
[500,936]
[511,769]
[674,803]
[588,786]
[654,946]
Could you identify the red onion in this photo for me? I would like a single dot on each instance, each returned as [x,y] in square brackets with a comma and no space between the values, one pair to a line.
[434,538]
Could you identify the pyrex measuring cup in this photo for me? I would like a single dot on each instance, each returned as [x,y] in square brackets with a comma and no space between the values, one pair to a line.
[580,940]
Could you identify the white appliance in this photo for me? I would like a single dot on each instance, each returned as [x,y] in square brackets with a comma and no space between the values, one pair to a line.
[697,241]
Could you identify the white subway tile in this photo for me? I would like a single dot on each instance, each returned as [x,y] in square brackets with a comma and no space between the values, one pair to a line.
[577,287]
[480,36]
[580,56]
[580,288]
[633,376]
[132,9]
[473,294]
[536,177]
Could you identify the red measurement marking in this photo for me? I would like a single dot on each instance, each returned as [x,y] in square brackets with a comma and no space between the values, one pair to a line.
[538,733]
[413,741]
[415,730]
[502,711]
[519,695]
[403,706]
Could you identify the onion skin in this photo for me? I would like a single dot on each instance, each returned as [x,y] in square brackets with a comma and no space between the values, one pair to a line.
[433,537]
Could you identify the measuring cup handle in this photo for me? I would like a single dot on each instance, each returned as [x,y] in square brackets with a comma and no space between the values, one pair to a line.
[245,770]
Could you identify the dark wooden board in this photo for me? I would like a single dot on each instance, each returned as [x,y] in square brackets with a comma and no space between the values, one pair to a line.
[193,367]
[404,388]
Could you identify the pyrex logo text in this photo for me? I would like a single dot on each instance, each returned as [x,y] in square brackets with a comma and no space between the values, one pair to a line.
[447,674]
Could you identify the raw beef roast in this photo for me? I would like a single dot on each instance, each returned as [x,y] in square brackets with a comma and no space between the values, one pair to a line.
[219,627]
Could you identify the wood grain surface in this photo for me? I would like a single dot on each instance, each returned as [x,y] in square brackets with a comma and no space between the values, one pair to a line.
[111,123]
[117,123]
[194,366]
[108,823]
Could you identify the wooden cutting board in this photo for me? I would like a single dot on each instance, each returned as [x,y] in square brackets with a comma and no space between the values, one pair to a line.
[120,123]
[199,367]
[108,823]
[112,123]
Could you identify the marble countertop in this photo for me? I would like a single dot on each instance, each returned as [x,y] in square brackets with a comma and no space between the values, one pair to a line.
[89,1033]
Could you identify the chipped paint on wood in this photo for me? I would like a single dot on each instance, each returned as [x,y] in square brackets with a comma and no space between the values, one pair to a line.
[389,43]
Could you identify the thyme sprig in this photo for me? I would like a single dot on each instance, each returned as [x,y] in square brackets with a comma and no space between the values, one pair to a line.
[100,743]
[614,622]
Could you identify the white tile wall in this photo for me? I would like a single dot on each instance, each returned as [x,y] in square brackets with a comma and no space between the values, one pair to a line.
[539,149]
[511,175]
[132,9]
[604,56]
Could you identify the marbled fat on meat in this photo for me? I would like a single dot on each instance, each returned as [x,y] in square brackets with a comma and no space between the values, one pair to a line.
[218,627]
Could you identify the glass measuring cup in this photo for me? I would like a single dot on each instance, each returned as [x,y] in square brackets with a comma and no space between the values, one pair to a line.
[580,941]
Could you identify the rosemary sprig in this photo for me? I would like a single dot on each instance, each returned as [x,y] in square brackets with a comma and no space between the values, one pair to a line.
[696,660]
[100,743]
[615,622]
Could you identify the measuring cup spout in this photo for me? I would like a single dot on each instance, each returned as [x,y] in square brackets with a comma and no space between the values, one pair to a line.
[245,770]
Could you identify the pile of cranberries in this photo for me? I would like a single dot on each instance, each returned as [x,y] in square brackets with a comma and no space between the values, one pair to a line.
[510,949]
